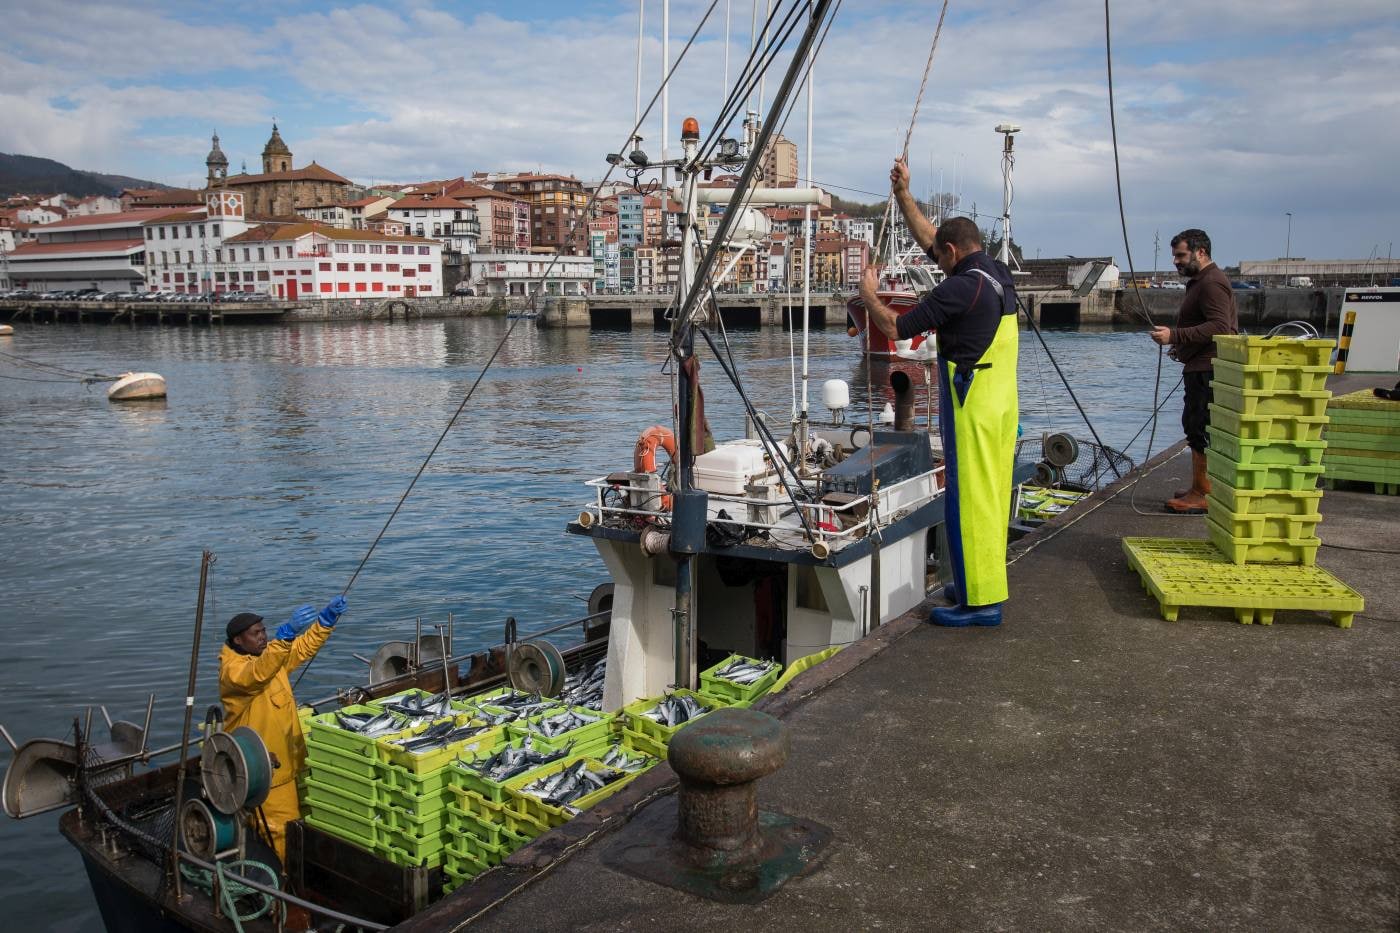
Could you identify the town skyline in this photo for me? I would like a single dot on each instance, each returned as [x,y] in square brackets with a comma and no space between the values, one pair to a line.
[1233,134]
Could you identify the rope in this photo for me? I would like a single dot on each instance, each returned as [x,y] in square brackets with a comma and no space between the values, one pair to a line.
[51,369]
[231,891]
[909,133]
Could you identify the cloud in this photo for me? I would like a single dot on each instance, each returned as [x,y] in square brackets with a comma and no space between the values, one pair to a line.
[1228,114]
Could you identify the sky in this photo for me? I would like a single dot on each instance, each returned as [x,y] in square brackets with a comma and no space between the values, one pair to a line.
[1230,116]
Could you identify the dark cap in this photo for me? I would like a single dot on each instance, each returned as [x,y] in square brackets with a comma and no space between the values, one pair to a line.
[241,623]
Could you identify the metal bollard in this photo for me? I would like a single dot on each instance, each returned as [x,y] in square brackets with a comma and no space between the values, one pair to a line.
[719,761]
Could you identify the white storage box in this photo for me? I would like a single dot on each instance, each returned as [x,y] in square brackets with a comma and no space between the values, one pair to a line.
[730,467]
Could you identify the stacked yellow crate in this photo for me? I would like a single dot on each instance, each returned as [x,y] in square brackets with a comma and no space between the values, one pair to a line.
[1265,454]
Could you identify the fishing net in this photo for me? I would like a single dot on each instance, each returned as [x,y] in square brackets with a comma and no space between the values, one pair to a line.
[1087,466]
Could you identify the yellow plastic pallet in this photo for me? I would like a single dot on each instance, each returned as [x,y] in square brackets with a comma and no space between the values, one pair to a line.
[1180,573]
[1364,400]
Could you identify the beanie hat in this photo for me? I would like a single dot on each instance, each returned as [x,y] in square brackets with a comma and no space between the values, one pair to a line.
[241,623]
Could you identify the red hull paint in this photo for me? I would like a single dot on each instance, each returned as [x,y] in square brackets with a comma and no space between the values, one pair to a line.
[880,345]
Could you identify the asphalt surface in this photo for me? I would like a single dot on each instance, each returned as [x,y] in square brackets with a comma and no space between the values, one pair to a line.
[1085,766]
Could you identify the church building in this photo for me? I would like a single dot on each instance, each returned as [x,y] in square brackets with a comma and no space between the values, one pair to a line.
[279,189]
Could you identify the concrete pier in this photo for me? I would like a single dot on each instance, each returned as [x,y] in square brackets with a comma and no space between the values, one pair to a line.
[1085,766]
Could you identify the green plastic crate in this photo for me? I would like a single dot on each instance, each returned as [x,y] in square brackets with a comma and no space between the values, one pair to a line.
[493,791]
[419,826]
[435,760]
[490,851]
[655,730]
[1273,476]
[1361,428]
[1378,457]
[1267,501]
[365,833]
[318,754]
[1365,400]
[730,692]
[1272,351]
[417,785]
[365,806]
[460,865]
[1270,378]
[1376,442]
[1259,402]
[472,813]
[344,782]
[1268,427]
[410,852]
[551,815]
[644,743]
[1261,524]
[484,699]
[326,732]
[1247,452]
[418,804]
[458,704]
[599,729]
[1302,551]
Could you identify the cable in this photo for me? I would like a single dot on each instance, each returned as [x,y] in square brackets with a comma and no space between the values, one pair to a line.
[1364,550]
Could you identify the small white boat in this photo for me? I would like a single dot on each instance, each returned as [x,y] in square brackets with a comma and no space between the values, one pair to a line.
[136,387]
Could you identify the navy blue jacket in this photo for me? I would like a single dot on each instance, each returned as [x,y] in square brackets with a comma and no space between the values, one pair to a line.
[964,309]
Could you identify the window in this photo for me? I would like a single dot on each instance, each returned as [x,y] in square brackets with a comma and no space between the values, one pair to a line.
[376,267]
[167,277]
[189,231]
[420,213]
[376,248]
[342,286]
[424,267]
[391,267]
[395,288]
[357,248]
[360,286]
[214,229]
[189,257]
[262,275]
[261,254]
[218,255]
[342,248]
[247,276]
[392,249]
[325,286]
[409,271]
[179,276]
[359,267]
[174,233]
[246,256]
[218,276]
[150,233]
[378,287]
[276,252]
[324,266]
[201,231]
[342,267]
[422,251]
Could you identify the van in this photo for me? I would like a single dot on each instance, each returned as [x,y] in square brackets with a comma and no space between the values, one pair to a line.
[1300,281]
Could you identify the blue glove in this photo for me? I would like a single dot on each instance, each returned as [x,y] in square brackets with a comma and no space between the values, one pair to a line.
[299,622]
[333,611]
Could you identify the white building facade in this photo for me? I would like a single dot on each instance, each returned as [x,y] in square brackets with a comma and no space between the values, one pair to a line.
[102,251]
[520,274]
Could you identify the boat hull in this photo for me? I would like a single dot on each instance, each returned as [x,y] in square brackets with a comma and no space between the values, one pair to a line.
[873,340]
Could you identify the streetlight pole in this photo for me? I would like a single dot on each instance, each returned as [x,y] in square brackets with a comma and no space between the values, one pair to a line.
[1288,243]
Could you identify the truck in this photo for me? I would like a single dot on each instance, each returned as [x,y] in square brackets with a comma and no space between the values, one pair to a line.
[1300,281]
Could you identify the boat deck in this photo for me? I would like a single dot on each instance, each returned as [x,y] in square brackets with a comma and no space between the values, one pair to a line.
[1087,765]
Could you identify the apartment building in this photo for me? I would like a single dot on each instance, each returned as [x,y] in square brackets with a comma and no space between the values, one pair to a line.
[103,251]
[557,203]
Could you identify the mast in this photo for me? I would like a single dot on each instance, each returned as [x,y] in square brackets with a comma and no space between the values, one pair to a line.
[803,424]
[1008,131]
[641,38]
[665,107]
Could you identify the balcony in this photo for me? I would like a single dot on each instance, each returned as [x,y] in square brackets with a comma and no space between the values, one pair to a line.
[462,228]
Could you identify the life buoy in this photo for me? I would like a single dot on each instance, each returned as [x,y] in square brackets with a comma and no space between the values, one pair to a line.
[644,455]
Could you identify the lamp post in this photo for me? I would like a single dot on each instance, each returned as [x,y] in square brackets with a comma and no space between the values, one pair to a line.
[1288,243]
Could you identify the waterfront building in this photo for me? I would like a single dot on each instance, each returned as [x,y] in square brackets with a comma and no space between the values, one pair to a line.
[520,274]
[631,219]
[607,259]
[557,219]
[447,220]
[307,260]
[780,162]
[637,269]
[279,188]
[504,218]
[137,198]
[184,245]
[95,204]
[102,251]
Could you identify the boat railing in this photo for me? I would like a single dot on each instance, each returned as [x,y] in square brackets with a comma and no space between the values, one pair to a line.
[833,524]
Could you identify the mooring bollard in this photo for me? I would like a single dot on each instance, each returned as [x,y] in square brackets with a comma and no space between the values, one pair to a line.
[719,761]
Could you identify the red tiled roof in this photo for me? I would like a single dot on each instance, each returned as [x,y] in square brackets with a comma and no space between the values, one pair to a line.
[312,172]
[267,232]
[82,246]
[366,202]
[418,201]
[174,197]
[468,189]
[197,214]
[120,219]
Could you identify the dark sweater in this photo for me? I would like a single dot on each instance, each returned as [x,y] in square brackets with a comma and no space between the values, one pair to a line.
[964,309]
[1208,309]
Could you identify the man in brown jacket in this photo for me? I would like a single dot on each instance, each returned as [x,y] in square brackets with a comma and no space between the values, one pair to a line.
[1208,309]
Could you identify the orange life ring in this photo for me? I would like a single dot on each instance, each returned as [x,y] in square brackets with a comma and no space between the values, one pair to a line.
[644,455]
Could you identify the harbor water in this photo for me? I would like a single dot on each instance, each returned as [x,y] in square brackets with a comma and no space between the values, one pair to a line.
[283,449]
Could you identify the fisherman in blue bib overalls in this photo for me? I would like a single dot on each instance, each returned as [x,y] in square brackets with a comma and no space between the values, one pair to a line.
[973,312]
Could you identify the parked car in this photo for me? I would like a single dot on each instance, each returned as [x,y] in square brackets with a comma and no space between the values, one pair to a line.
[1242,285]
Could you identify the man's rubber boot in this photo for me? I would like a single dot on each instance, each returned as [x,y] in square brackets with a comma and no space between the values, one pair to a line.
[961,616]
[1194,501]
[950,593]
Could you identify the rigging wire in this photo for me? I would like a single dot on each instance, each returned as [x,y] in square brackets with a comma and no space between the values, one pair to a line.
[511,329]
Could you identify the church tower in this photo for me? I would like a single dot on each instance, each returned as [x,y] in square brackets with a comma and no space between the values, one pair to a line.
[276,156]
[217,163]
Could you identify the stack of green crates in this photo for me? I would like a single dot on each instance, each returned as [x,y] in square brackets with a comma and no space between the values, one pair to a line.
[1266,448]
[1363,440]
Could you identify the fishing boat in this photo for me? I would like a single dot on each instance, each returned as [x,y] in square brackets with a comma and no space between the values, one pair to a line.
[903,281]
[776,547]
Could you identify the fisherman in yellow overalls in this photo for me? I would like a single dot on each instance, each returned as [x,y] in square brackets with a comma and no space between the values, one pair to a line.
[973,312]
[256,693]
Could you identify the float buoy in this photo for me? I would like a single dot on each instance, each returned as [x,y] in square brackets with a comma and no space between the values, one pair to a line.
[135,387]
[6,330]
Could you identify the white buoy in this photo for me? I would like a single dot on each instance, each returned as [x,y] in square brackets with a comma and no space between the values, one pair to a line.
[135,387]
[6,330]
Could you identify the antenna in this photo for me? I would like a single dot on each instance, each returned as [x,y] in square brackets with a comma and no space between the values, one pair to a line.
[1008,159]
